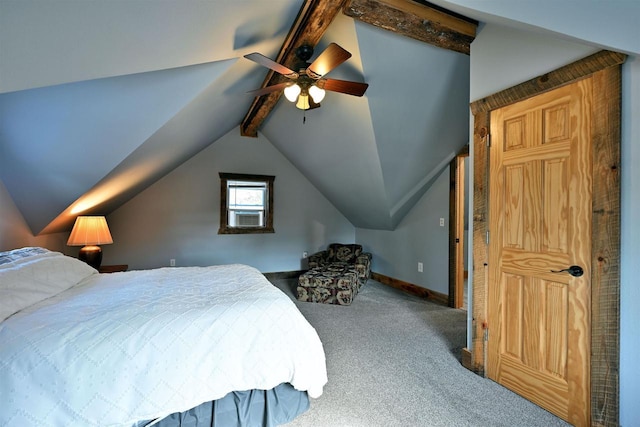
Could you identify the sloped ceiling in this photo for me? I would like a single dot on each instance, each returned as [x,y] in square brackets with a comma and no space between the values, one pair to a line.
[611,25]
[100,99]
[371,155]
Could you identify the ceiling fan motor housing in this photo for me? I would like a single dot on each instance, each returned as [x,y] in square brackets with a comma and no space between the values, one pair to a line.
[304,52]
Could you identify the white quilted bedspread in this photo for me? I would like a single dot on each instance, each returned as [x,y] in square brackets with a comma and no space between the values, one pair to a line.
[124,347]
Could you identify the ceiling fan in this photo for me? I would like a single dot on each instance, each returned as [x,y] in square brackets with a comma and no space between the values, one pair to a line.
[308,84]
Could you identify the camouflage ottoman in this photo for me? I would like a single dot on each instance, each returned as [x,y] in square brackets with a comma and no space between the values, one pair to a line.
[336,283]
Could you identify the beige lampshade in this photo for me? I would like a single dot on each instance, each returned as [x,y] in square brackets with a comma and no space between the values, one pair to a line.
[303,102]
[292,92]
[90,230]
[316,94]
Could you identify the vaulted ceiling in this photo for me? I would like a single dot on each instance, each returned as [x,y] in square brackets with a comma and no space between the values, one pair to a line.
[98,100]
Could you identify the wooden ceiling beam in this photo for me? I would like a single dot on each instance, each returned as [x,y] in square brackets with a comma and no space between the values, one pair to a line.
[419,20]
[310,24]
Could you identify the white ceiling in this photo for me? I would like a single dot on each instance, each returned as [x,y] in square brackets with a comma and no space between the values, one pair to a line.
[608,24]
[98,100]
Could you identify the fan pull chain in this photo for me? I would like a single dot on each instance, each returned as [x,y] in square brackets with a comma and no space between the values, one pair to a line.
[304,116]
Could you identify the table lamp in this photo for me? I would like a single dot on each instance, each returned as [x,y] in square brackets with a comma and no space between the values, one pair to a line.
[89,232]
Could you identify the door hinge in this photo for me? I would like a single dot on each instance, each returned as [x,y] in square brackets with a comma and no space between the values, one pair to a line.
[488,140]
[486,335]
[487,237]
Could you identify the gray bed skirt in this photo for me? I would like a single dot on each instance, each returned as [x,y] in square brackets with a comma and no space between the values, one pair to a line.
[252,408]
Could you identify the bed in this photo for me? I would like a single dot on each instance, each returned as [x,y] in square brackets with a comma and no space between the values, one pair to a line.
[150,347]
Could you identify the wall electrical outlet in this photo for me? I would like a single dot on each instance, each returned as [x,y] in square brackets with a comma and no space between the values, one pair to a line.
[305,254]
[172,262]
[441,222]
[420,267]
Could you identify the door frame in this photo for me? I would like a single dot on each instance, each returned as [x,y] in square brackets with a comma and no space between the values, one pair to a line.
[457,243]
[605,68]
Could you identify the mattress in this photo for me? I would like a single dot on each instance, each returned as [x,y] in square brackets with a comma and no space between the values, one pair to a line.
[114,349]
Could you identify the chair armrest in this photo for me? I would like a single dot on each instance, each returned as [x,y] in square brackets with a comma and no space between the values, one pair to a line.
[363,265]
[364,257]
[318,259]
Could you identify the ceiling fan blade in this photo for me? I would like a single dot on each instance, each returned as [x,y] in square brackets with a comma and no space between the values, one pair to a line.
[269,89]
[343,86]
[269,63]
[329,59]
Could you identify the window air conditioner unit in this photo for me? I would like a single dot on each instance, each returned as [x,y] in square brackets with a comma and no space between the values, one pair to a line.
[248,219]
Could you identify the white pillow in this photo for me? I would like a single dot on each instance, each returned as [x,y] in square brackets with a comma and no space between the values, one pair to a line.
[15,256]
[32,280]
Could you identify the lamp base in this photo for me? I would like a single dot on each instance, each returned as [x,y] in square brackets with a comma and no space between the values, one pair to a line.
[92,255]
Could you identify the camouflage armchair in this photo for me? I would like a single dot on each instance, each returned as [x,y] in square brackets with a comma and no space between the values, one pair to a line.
[350,254]
[335,275]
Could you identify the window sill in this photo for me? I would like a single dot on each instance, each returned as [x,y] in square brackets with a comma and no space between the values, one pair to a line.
[245,230]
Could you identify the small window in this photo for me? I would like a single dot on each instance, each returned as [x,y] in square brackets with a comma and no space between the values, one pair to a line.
[246,203]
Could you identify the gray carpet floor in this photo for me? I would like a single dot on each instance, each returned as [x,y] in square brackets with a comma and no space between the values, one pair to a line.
[393,360]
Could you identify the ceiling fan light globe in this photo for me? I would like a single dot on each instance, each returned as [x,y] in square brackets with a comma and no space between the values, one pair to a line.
[317,94]
[303,102]
[292,92]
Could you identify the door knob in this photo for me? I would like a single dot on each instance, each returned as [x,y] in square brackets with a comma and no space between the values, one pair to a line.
[574,270]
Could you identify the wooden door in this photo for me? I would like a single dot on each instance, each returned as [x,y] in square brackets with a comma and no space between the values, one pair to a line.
[457,241]
[540,221]
[461,244]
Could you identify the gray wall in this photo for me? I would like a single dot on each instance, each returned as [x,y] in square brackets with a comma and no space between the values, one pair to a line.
[418,238]
[178,216]
[630,245]
[15,233]
[502,57]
